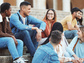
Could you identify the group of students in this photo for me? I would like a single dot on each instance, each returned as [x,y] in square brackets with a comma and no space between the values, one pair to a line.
[55,48]
[49,33]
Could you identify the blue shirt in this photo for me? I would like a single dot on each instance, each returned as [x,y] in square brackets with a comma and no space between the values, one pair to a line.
[45,54]
[79,49]
[18,25]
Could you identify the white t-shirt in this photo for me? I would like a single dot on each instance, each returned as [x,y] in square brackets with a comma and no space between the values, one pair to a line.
[64,44]
[23,19]
[1,18]
[61,49]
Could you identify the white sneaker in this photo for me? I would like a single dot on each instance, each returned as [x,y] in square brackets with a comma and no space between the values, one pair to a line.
[18,61]
[25,60]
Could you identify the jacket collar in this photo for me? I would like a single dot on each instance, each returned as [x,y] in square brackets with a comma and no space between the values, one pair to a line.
[19,13]
[50,45]
[21,16]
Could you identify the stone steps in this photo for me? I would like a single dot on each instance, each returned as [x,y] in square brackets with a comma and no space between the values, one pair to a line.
[40,13]
[5,51]
[8,59]
[5,56]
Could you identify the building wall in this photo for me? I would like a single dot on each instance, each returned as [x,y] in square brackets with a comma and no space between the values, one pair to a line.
[78,3]
[59,5]
[49,4]
[12,2]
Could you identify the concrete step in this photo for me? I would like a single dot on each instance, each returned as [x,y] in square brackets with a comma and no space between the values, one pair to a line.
[8,59]
[5,52]
[40,13]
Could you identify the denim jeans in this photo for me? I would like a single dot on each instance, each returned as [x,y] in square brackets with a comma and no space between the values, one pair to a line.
[28,37]
[10,44]
[70,34]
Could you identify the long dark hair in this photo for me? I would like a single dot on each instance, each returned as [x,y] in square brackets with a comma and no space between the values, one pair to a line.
[56,26]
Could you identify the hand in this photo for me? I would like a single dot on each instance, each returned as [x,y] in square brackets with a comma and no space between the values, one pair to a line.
[38,35]
[75,61]
[61,60]
[80,60]
[76,58]
[16,43]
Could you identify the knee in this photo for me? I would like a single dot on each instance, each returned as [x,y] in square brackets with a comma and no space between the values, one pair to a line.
[20,42]
[75,31]
[38,25]
[10,40]
[25,32]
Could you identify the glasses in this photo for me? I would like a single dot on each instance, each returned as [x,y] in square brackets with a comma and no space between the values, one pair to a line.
[50,14]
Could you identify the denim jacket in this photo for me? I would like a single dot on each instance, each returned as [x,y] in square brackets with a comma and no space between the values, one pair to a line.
[17,23]
[45,54]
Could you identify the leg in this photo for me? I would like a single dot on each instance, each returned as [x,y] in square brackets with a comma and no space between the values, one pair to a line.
[20,48]
[25,37]
[70,34]
[9,42]
[33,35]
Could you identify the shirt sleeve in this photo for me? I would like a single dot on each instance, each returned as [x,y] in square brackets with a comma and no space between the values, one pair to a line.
[54,59]
[17,23]
[71,45]
[69,19]
[75,22]
[36,21]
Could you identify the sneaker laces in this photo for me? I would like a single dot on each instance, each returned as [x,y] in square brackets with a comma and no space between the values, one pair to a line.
[24,59]
[19,61]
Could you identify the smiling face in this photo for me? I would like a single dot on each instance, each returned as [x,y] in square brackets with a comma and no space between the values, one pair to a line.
[79,34]
[27,10]
[50,15]
[80,15]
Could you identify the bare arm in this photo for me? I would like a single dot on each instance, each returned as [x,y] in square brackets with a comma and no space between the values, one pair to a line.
[77,27]
[70,26]
[77,58]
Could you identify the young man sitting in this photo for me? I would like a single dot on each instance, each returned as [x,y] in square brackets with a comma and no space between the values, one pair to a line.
[46,53]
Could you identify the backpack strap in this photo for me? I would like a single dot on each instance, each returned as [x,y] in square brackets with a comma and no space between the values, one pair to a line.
[19,20]
[14,26]
[27,21]
[18,16]
[75,44]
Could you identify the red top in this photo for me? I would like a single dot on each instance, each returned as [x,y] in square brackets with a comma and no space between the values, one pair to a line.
[47,30]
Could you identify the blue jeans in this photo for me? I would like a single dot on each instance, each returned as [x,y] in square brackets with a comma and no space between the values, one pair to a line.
[28,37]
[10,44]
[70,34]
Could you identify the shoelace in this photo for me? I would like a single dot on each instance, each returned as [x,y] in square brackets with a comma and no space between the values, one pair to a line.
[24,59]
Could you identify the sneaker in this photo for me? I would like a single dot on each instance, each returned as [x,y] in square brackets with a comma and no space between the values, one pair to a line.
[18,61]
[25,60]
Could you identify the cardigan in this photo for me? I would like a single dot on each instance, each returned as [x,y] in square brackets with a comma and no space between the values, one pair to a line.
[5,30]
